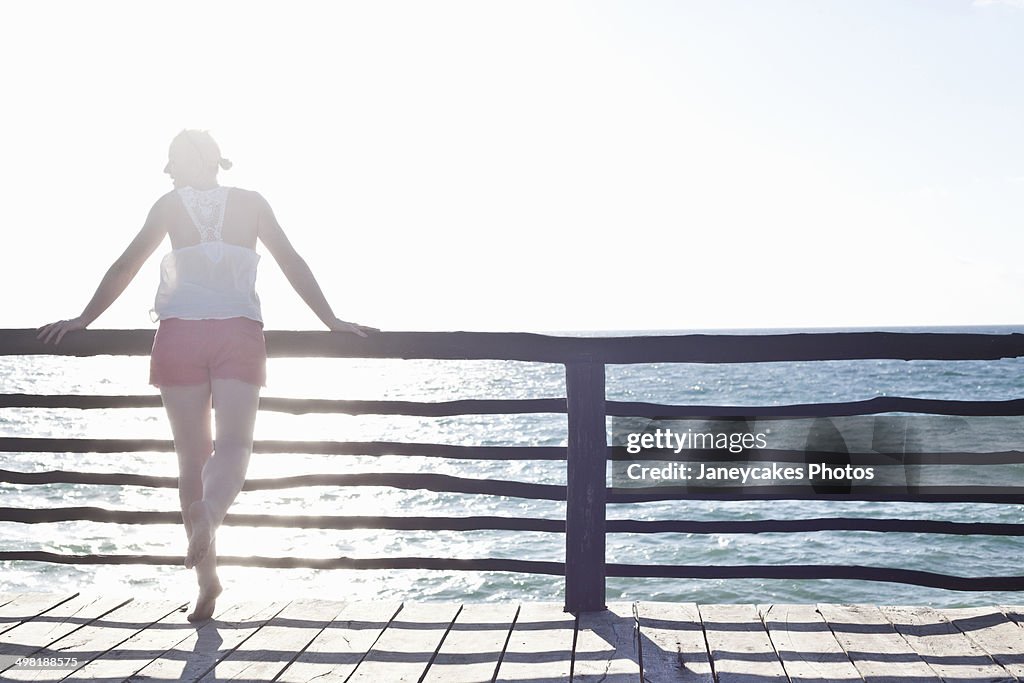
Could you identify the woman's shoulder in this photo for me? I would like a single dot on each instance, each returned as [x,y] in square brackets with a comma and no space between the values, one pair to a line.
[164,203]
[251,197]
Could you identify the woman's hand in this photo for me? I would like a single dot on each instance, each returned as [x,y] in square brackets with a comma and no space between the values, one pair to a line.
[57,330]
[338,325]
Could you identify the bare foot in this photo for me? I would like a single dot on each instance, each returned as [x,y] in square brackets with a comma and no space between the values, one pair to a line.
[202,534]
[206,602]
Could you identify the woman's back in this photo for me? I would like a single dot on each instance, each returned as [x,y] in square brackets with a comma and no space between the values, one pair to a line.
[241,215]
[211,271]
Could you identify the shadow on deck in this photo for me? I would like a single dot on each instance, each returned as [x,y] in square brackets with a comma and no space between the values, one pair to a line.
[119,639]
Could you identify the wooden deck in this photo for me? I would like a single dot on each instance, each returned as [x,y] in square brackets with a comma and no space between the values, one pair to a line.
[118,639]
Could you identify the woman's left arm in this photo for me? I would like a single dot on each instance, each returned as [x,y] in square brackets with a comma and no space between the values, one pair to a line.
[117,278]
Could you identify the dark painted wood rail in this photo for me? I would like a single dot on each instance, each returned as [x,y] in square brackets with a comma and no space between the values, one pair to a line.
[688,348]
[587,452]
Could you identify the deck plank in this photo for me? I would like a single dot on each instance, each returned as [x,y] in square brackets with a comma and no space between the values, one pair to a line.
[213,640]
[540,648]
[334,654]
[403,652]
[117,639]
[27,606]
[606,646]
[672,643]
[32,636]
[24,603]
[990,629]
[739,644]
[879,652]
[951,654]
[97,637]
[135,653]
[268,651]
[805,644]
[474,645]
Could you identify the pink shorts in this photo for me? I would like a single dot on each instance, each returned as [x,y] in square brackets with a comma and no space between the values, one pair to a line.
[195,351]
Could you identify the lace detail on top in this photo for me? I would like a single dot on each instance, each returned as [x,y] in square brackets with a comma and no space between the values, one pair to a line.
[206,209]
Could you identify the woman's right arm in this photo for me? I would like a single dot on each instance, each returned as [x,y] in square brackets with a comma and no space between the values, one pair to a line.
[117,278]
[298,273]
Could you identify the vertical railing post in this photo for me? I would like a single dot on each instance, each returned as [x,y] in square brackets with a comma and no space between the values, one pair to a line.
[585,479]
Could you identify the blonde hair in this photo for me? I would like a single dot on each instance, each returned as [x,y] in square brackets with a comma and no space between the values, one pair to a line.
[199,142]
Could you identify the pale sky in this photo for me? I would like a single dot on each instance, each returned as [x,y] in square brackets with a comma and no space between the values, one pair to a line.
[537,165]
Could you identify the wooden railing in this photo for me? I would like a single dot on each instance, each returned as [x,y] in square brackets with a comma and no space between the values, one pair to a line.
[586,455]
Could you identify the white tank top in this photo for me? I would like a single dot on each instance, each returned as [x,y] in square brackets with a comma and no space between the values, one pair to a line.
[212,279]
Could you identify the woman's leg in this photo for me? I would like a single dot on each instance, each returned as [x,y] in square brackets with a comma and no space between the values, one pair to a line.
[188,410]
[234,404]
[208,484]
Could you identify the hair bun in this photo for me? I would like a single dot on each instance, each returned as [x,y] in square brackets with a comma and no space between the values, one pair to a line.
[225,163]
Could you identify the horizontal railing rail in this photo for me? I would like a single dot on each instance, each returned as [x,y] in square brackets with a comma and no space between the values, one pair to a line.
[367,448]
[298,406]
[491,523]
[441,483]
[586,493]
[522,346]
[301,406]
[486,564]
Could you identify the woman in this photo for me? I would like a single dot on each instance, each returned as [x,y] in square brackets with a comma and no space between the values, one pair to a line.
[208,353]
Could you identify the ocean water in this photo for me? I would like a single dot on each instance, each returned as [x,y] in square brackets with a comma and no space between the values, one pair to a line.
[690,384]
